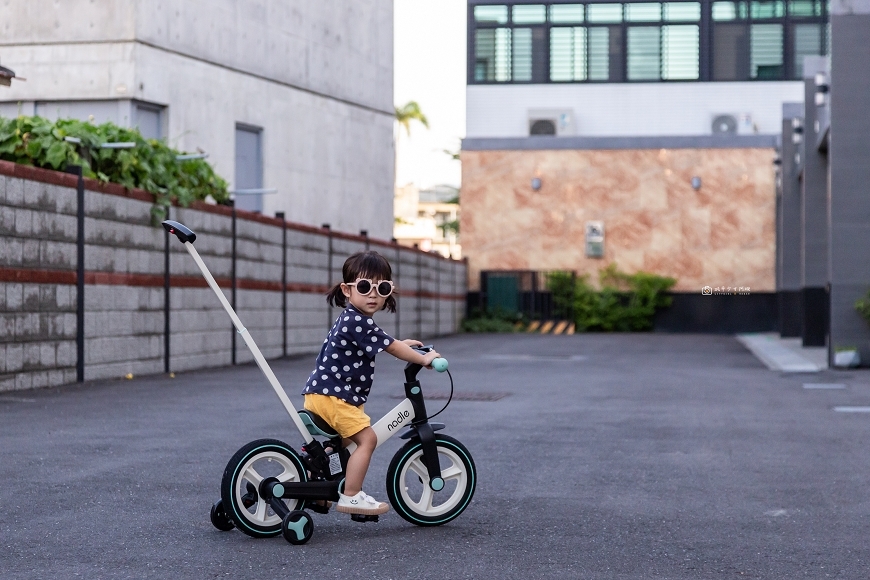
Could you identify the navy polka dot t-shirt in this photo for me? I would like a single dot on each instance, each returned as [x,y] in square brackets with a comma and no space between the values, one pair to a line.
[346,363]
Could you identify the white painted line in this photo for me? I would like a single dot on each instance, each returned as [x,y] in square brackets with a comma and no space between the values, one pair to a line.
[824,386]
[852,409]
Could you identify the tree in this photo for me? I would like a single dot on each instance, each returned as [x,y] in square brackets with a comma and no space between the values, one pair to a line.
[408,112]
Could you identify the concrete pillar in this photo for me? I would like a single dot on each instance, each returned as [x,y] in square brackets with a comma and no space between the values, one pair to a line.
[789,290]
[814,216]
[849,171]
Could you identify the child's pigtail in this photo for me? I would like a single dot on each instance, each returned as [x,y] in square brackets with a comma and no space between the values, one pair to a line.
[336,297]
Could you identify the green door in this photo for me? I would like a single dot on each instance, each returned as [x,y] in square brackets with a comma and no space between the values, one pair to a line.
[502,292]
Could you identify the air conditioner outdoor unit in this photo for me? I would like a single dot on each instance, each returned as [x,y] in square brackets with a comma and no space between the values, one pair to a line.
[729,124]
[556,122]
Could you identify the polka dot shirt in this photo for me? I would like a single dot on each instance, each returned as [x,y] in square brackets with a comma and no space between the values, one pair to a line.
[346,363]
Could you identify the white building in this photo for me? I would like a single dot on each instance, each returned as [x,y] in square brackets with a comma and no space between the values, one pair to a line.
[294,96]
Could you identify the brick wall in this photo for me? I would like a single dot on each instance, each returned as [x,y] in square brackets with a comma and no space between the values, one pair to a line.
[124,295]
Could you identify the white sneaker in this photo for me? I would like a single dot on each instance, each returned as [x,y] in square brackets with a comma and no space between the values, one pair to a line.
[360,503]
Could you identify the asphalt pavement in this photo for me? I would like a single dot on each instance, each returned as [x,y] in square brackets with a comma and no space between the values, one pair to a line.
[617,456]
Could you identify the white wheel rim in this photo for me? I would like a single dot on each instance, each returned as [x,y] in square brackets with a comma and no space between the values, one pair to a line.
[426,502]
[255,470]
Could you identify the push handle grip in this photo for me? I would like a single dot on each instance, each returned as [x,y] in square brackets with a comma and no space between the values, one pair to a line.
[181,231]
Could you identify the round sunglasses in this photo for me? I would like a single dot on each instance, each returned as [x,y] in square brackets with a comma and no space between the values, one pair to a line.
[364,286]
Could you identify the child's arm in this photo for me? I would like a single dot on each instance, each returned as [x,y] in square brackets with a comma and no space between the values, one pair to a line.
[401,350]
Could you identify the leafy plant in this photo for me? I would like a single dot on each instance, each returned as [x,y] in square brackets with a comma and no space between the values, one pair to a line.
[624,302]
[862,305]
[150,165]
[498,320]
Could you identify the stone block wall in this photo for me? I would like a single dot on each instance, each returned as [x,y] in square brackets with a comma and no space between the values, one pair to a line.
[721,234]
[125,299]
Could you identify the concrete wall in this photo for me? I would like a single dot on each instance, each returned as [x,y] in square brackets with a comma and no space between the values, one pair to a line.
[720,235]
[315,76]
[629,109]
[124,277]
[849,175]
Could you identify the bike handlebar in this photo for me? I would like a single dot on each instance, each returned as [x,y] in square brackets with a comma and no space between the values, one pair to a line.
[440,364]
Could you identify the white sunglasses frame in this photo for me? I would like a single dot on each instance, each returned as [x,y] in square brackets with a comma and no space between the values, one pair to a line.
[374,286]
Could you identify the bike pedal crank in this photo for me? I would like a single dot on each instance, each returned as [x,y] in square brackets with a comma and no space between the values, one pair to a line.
[363,518]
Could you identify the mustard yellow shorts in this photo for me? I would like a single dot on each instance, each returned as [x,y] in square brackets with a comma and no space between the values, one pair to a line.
[345,418]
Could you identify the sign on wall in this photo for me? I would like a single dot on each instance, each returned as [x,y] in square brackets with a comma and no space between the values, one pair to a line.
[595,239]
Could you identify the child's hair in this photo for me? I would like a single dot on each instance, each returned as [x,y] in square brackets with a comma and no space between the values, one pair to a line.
[368,264]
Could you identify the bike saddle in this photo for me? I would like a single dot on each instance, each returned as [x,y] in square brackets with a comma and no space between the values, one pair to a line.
[316,425]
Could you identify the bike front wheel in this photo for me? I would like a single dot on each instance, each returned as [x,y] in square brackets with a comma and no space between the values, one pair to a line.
[408,482]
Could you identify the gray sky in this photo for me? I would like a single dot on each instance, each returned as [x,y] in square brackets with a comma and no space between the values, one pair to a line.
[429,61]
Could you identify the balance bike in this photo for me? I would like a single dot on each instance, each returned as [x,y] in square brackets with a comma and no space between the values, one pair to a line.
[267,485]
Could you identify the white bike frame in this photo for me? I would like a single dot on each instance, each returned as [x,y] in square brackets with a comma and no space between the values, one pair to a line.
[389,424]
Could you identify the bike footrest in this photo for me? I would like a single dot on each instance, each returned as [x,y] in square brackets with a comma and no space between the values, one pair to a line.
[363,518]
[318,507]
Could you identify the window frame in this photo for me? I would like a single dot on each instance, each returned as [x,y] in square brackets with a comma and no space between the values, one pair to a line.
[706,30]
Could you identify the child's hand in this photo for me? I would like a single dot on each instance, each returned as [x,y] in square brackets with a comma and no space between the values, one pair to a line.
[429,357]
[411,342]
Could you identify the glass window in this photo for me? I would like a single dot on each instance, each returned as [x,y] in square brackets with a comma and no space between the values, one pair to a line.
[491,14]
[643,12]
[530,14]
[644,53]
[798,8]
[680,52]
[599,53]
[568,54]
[522,54]
[807,42]
[492,55]
[766,9]
[604,12]
[765,51]
[249,167]
[729,10]
[730,51]
[566,13]
[682,11]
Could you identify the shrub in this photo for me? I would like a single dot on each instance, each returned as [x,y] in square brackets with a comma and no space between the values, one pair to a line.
[624,302]
[862,305]
[499,320]
[150,165]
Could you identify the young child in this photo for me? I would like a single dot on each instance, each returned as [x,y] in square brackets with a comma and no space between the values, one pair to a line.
[339,385]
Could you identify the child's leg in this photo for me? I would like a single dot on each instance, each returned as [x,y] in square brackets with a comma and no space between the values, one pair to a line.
[358,464]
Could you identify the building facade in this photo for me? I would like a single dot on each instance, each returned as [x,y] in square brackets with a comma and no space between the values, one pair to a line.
[292,101]
[653,124]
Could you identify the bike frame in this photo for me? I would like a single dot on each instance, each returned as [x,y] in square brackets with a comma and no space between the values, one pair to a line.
[406,412]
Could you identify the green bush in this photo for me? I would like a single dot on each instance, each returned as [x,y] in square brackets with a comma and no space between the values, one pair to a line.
[862,305]
[625,302]
[150,165]
[499,320]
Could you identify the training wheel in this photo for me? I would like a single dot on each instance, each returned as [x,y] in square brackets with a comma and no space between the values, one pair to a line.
[297,527]
[219,518]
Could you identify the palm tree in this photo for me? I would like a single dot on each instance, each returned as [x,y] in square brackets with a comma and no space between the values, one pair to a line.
[408,112]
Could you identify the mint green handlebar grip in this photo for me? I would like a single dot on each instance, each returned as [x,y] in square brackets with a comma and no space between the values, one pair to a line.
[440,364]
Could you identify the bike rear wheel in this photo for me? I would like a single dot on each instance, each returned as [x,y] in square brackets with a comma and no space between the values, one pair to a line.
[245,470]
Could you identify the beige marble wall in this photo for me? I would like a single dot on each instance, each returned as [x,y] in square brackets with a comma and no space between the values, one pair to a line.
[723,234]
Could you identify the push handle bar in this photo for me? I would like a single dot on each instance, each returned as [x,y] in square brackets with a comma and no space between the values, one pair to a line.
[181,231]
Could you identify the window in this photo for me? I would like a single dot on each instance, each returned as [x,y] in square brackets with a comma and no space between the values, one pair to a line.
[249,167]
[148,119]
[645,41]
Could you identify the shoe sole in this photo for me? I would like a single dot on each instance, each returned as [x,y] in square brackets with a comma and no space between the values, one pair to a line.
[363,511]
